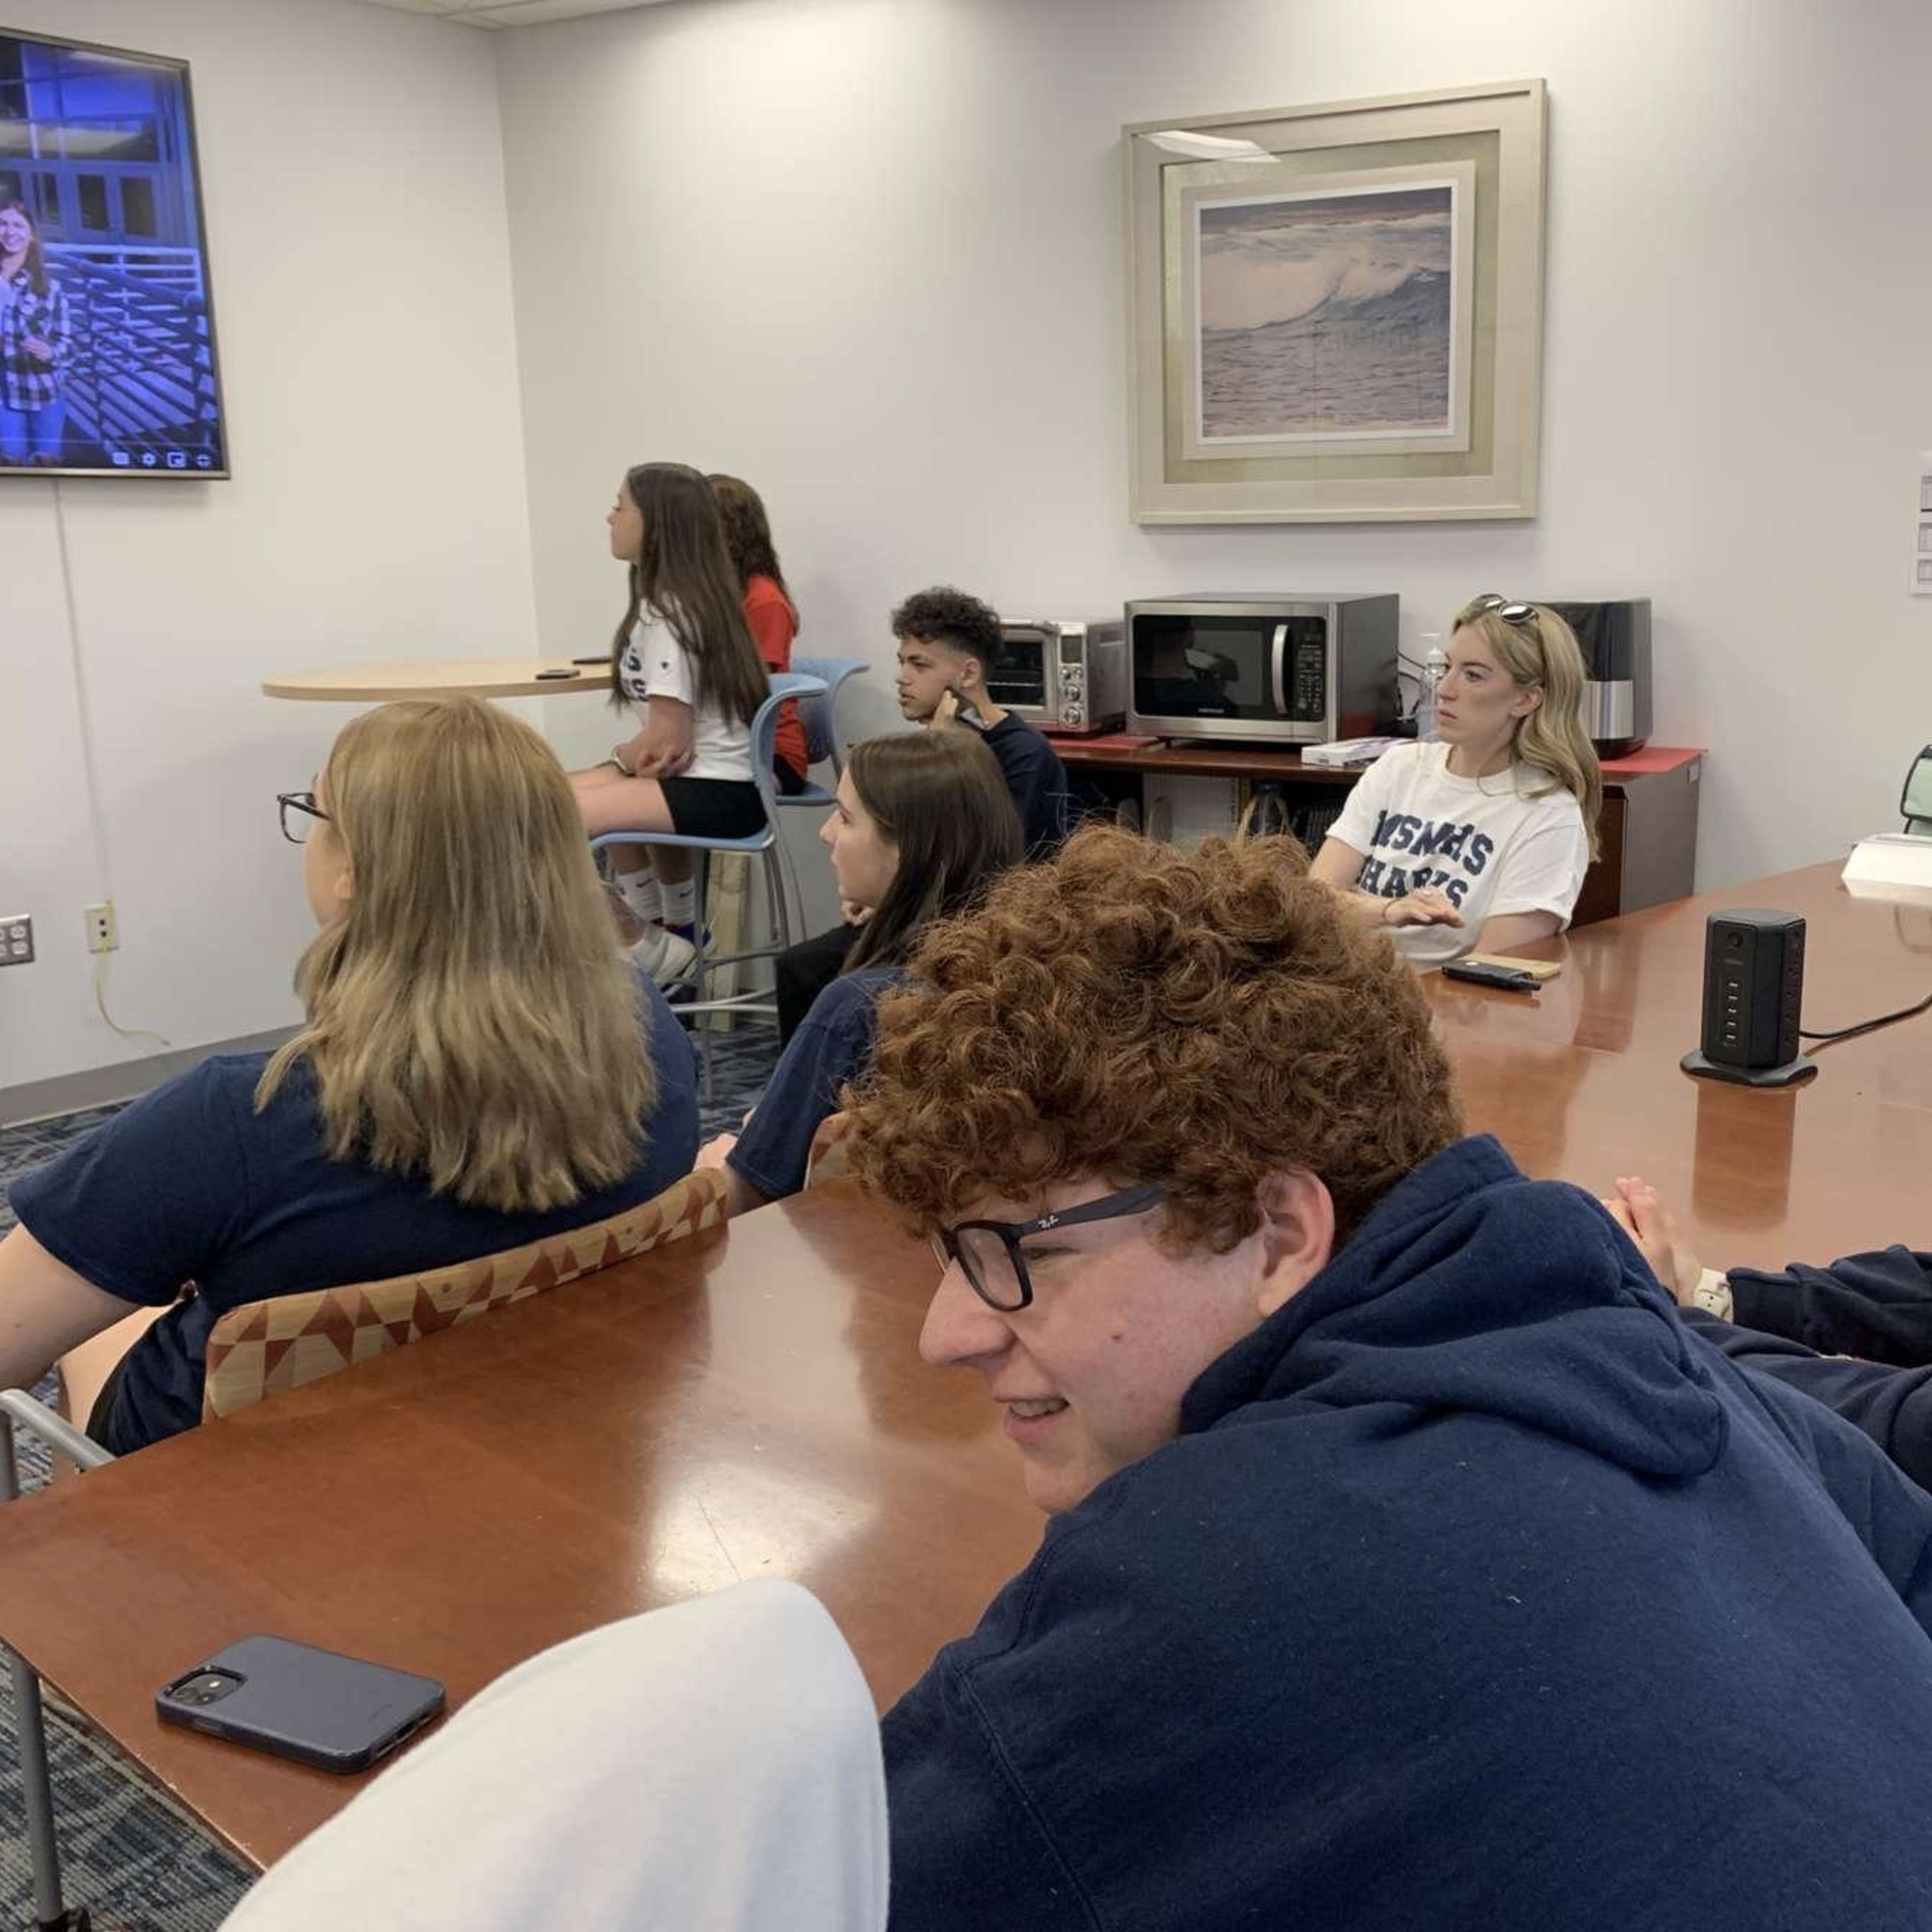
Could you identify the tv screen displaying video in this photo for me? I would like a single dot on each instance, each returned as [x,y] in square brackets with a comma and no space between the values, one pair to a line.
[107,364]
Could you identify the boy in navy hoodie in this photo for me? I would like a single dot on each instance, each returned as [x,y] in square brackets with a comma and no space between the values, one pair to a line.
[1411,1564]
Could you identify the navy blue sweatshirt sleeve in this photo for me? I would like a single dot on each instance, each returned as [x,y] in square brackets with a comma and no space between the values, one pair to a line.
[1893,1406]
[156,1195]
[1878,1305]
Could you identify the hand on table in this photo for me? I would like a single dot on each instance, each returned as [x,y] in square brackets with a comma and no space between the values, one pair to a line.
[1637,1209]
[1430,906]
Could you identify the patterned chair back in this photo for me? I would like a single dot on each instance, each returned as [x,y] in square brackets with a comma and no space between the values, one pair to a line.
[266,1346]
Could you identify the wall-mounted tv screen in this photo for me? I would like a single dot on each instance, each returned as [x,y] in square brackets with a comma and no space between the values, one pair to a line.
[107,364]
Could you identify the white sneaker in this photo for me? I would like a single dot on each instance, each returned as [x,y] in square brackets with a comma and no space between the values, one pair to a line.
[664,955]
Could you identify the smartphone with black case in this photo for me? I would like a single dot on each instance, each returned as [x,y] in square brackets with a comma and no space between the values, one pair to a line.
[335,1712]
[1512,979]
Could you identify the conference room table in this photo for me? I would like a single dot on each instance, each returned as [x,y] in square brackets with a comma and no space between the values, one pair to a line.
[749,1401]
[1581,1080]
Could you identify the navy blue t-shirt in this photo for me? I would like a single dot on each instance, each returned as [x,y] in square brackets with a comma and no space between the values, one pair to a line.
[1037,782]
[190,1183]
[832,1045]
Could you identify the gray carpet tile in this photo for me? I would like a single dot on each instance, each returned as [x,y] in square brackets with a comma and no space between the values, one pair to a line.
[127,1854]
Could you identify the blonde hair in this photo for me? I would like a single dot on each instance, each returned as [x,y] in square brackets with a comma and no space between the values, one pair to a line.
[471,1019]
[1544,656]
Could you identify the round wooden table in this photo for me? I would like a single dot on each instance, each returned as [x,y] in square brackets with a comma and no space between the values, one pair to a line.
[440,677]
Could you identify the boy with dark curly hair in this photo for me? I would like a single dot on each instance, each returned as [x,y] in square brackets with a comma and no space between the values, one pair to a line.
[948,643]
[1411,1564]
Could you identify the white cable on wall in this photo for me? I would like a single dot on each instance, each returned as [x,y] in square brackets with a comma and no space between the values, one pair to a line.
[90,770]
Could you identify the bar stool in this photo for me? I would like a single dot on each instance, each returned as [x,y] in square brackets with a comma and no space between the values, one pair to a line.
[764,845]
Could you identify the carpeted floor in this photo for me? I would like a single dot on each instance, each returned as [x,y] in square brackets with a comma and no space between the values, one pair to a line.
[126,1854]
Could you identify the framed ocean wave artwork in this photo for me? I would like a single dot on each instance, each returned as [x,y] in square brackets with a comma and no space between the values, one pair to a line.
[1335,312]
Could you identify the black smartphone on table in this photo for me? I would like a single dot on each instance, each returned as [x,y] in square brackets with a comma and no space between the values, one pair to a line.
[1483,973]
[313,1706]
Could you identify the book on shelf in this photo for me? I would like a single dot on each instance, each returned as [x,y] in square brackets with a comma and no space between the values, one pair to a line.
[1347,751]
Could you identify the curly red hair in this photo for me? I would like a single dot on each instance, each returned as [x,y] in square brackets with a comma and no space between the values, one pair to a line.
[1144,1013]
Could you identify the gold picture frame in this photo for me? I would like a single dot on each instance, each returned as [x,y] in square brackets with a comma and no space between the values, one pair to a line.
[1335,313]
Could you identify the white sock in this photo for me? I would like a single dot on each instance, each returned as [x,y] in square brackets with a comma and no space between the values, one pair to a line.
[641,893]
[680,901]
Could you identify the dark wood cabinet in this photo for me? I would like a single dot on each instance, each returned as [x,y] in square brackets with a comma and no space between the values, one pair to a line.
[1647,834]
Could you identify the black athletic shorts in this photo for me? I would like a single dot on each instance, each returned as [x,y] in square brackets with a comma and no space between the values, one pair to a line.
[714,807]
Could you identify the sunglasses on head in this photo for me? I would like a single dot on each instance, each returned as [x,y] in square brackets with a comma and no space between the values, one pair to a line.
[1510,614]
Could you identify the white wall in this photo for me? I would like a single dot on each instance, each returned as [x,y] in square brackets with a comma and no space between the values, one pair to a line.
[865,252]
[352,168]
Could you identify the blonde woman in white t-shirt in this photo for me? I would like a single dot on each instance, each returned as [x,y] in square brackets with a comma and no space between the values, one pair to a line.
[1479,838]
[684,655]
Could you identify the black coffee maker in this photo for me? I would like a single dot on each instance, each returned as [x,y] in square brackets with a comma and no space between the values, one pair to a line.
[1615,635]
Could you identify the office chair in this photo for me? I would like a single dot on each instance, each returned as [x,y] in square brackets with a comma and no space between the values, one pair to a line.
[822,743]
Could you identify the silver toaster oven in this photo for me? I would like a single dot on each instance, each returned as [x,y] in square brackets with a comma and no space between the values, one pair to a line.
[1060,676]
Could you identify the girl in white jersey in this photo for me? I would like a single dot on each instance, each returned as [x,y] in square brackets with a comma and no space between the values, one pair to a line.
[684,655]
[1479,838]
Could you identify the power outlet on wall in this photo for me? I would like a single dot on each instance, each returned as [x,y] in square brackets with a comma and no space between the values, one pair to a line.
[102,934]
[17,939]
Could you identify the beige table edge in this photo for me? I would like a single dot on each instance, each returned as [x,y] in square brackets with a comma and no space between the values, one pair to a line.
[477,677]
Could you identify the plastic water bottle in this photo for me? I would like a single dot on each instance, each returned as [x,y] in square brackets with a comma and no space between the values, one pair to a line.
[1434,661]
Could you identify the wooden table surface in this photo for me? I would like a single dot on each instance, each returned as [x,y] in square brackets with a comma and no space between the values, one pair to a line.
[1581,1080]
[433,677]
[751,1401]
[746,1402]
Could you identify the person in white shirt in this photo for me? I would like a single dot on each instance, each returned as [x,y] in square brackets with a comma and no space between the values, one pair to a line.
[1479,838]
[715,1765]
[684,654]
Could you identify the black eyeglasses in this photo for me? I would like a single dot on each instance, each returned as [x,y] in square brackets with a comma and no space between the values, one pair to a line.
[1510,614]
[989,1253]
[299,808]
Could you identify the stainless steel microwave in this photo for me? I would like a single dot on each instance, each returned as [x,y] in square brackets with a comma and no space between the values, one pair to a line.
[1288,669]
[1061,677]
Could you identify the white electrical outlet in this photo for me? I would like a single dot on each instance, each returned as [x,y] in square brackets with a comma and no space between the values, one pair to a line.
[17,939]
[102,934]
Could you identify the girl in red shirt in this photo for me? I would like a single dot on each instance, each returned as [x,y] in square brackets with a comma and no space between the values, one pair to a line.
[768,609]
